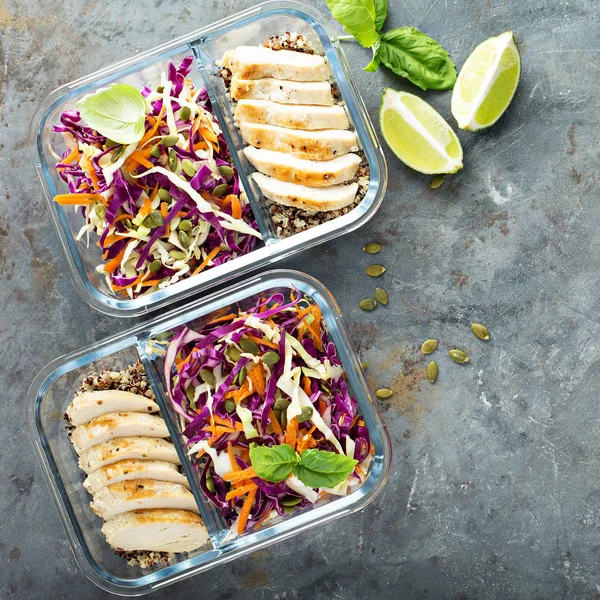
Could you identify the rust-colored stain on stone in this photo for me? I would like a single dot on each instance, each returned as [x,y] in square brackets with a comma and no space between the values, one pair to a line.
[460,279]
[256,579]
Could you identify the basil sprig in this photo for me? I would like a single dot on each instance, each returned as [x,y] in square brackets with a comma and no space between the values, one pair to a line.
[315,468]
[406,51]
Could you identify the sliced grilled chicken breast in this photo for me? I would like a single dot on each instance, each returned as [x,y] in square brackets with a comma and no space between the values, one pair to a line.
[313,145]
[139,494]
[89,405]
[306,198]
[125,470]
[257,62]
[285,92]
[156,530]
[294,116]
[127,448]
[313,173]
[117,424]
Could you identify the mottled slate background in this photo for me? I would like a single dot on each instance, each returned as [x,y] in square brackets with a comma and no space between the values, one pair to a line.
[494,485]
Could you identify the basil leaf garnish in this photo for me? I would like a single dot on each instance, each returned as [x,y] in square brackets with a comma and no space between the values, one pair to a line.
[319,468]
[357,17]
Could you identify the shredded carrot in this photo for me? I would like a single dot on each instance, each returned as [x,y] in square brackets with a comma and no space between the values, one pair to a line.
[245,454]
[150,133]
[234,466]
[122,218]
[306,385]
[200,146]
[212,426]
[224,202]
[241,491]
[164,209]
[208,258]
[201,453]
[257,375]
[371,449]
[78,198]
[219,429]
[138,157]
[70,157]
[245,513]
[291,433]
[265,342]
[228,317]
[236,206]
[112,264]
[307,438]
[359,470]
[138,281]
[274,422]
[322,407]
[220,421]
[243,474]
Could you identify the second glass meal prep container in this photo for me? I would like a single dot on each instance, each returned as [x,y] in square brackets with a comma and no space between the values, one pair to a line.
[55,386]
[207,45]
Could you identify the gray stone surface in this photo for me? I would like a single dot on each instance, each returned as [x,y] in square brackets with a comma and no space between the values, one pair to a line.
[493,491]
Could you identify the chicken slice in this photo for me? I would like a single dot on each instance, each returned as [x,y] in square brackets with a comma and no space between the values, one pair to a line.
[89,405]
[285,92]
[156,530]
[125,470]
[117,424]
[313,173]
[139,494]
[127,448]
[313,145]
[306,198]
[294,116]
[257,62]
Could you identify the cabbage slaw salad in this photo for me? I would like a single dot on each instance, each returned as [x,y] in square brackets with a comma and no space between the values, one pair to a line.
[265,410]
[159,187]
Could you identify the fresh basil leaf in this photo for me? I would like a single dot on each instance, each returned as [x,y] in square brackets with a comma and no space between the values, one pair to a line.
[357,17]
[374,64]
[319,468]
[273,464]
[381,10]
[410,53]
[117,112]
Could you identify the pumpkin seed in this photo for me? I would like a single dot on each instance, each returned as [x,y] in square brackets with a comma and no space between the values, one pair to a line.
[208,377]
[116,154]
[229,405]
[225,171]
[383,393]
[290,501]
[458,356]
[271,358]
[185,113]
[178,254]
[190,393]
[381,296]
[154,219]
[372,248]
[249,346]
[375,270]
[432,371]
[428,346]
[155,265]
[185,225]
[283,419]
[242,376]
[281,404]
[155,151]
[436,181]
[288,510]
[326,388]
[100,211]
[169,140]
[481,331]
[306,414]
[188,167]
[184,239]
[234,354]
[210,484]
[164,195]
[128,224]
[173,160]
[220,189]
[363,365]
[160,89]
[110,143]
[367,304]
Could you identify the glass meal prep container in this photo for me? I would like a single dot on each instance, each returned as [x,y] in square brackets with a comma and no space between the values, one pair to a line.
[207,45]
[54,387]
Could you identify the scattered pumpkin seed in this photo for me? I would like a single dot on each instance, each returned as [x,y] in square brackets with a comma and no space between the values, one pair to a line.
[306,414]
[436,181]
[432,371]
[225,171]
[160,89]
[481,331]
[116,154]
[367,304]
[110,143]
[326,388]
[220,189]
[184,239]
[372,248]
[210,484]
[290,501]
[173,160]
[283,419]
[169,140]
[381,296]
[185,113]
[271,358]
[153,220]
[230,405]
[188,167]
[100,211]
[155,151]
[383,393]
[363,365]
[185,225]
[288,510]
[458,356]
[234,354]
[428,346]
[178,254]
[281,404]
[190,393]
[164,195]
[249,346]
[375,270]
[242,376]
[208,377]
[155,265]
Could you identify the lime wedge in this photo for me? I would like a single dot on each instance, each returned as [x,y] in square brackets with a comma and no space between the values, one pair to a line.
[487,83]
[418,135]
